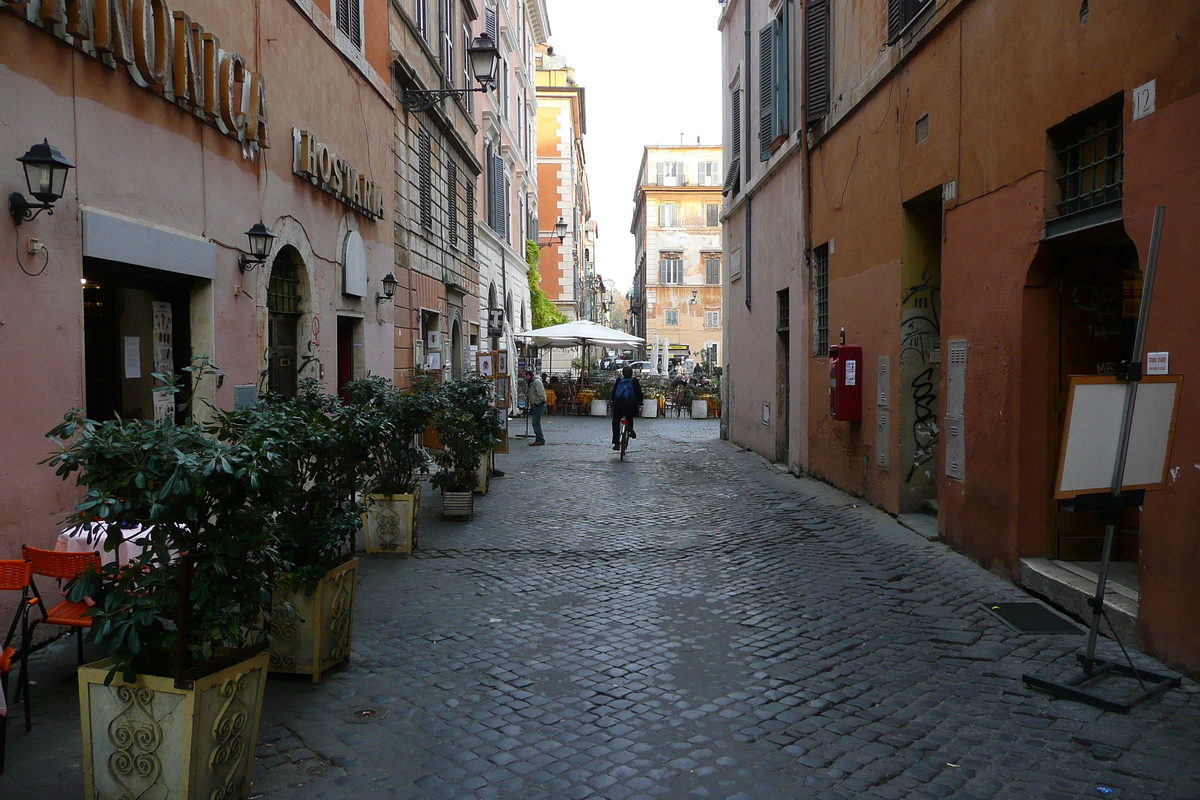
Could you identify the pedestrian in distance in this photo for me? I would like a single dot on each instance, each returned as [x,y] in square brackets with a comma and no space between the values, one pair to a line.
[535,395]
[627,399]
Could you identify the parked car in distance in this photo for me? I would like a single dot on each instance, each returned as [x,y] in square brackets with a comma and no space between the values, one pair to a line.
[641,367]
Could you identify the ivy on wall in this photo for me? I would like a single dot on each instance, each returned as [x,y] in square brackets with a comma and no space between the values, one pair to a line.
[544,312]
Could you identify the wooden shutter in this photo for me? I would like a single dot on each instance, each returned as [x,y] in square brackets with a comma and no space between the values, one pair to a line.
[736,133]
[895,19]
[425,178]
[766,90]
[489,24]
[781,78]
[507,207]
[662,173]
[498,190]
[470,215]
[343,16]
[816,30]
[452,202]
[355,23]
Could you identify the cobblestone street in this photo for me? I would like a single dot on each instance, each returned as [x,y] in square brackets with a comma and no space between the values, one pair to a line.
[688,623]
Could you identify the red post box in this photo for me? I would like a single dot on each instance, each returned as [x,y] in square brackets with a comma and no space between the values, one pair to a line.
[845,382]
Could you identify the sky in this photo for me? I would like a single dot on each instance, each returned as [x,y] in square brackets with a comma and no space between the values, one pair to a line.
[651,70]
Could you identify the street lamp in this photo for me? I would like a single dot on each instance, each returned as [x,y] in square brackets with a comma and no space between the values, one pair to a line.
[389,289]
[485,65]
[45,177]
[260,237]
[692,302]
[559,232]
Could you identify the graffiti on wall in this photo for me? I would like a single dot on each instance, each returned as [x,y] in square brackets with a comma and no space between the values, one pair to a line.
[920,350]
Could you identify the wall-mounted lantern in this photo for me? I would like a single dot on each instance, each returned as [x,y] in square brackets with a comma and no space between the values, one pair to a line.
[260,237]
[389,289]
[560,233]
[485,65]
[692,302]
[45,177]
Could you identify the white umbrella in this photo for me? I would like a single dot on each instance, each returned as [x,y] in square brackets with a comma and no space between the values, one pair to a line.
[654,356]
[579,332]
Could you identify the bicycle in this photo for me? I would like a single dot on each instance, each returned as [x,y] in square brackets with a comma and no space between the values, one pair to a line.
[624,437]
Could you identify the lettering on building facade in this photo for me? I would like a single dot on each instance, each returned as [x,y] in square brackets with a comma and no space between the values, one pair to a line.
[333,174]
[164,51]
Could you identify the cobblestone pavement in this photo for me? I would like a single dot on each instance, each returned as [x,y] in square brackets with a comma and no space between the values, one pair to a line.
[688,623]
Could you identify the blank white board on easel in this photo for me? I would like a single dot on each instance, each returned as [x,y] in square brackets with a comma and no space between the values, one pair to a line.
[1093,430]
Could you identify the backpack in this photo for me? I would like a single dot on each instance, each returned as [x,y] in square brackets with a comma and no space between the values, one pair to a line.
[624,392]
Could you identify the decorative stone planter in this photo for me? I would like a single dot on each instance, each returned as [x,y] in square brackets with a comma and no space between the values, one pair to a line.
[650,408]
[149,739]
[458,505]
[318,638]
[390,522]
[699,409]
[599,408]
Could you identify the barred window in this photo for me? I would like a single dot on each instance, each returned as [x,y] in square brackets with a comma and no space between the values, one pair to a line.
[820,280]
[283,288]
[425,178]
[1092,159]
[784,322]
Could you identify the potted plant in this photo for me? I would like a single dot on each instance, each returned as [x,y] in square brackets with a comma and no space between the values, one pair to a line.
[689,397]
[395,462]
[652,394]
[469,426]
[317,446]
[173,711]
[601,395]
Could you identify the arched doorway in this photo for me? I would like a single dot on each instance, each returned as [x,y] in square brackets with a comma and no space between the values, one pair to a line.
[284,307]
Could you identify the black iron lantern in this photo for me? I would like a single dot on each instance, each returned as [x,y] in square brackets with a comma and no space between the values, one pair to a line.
[389,288]
[485,60]
[261,240]
[560,229]
[45,177]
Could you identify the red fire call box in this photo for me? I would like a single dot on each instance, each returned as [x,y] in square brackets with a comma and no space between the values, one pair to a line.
[845,382]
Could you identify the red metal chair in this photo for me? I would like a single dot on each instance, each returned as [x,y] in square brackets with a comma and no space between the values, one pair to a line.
[6,658]
[16,576]
[68,613]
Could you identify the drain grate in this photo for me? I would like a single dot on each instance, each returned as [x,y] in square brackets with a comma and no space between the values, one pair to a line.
[364,714]
[1032,618]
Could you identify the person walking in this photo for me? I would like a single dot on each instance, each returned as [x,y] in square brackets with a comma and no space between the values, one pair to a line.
[626,402]
[535,395]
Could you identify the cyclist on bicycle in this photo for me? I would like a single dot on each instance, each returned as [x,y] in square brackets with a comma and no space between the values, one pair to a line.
[626,402]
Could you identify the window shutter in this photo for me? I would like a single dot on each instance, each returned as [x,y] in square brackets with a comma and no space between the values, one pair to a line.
[895,19]
[489,196]
[766,90]
[507,207]
[498,188]
[452,202]
[470,215]
[489,24]
[781,78]
[817,59]
[662,173]
[425,178]
[736,145]
[343,16]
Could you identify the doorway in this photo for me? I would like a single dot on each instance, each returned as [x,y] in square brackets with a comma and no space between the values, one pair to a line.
[136,323]
[284,306]
[920,352]
[349,347]
[1099,290]
[783,371]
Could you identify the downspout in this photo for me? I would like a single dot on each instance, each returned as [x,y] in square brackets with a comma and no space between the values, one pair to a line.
[748,268]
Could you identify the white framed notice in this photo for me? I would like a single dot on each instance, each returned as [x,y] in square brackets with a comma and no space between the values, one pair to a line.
[501,362]
[1095,405]
[485,365]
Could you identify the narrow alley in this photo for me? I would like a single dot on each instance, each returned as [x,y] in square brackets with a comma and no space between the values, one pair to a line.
[687,623]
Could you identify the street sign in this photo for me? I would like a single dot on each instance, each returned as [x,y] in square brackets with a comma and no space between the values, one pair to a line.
[495,322]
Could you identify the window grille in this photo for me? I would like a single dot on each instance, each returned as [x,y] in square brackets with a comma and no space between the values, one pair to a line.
[712,319]
[283,290]
[820,279]
[712,215]
[425,178]
[668,215]
[349,20]
[712,270]
[452,203]
[670,269]
[1092,163]
[784,322]
[673,316]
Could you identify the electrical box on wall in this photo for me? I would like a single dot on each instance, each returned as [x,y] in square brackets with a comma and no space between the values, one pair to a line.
[845,382]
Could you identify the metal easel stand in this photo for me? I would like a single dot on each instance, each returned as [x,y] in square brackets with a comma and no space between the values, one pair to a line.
[525,414]
[1151,683]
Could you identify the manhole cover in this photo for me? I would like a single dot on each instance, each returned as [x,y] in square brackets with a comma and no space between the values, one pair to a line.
[364,714]
[1032,618]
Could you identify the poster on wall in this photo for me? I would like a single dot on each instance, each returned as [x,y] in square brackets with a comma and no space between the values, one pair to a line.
[433,361]
[164,357]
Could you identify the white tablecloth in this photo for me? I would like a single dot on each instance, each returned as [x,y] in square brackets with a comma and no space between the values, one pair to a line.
[91,537]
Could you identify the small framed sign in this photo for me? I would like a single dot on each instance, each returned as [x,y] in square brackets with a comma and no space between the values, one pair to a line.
[485,364]
[501,363]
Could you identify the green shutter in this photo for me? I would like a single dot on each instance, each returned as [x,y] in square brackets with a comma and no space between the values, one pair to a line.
[766,90]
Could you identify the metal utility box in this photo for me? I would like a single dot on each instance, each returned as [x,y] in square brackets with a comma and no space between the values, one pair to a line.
[845,382]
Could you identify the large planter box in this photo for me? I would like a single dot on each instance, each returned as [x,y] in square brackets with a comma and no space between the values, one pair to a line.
[390,522]
[458,505]
[699,409]
[319,638]
[150,740]
[599,408]
[650,408]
